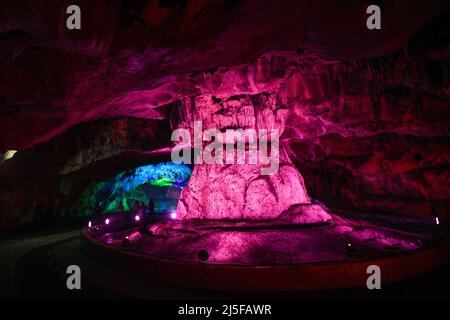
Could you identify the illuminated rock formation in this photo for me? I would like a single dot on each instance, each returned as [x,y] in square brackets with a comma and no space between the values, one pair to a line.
[364,114]
[240,191]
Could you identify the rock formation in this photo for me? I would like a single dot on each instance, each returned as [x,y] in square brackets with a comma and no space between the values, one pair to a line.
[240,190]
[365,113]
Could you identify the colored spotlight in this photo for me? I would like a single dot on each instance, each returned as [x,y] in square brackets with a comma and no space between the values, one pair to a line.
[107,221]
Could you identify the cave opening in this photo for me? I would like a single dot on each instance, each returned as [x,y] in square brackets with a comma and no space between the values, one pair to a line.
[149,189]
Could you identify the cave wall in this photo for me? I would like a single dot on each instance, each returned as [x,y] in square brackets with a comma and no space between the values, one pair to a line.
[367,113]
[374,135]
[48,180]
[131,58]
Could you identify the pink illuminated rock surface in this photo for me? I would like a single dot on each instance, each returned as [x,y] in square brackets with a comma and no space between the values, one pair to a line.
[270,242]
[364,114]
[239,191]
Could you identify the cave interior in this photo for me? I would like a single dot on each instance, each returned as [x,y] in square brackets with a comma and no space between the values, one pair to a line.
[86,118]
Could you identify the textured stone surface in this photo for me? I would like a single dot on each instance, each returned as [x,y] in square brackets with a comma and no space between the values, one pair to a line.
[365,114]
[239,191]
[132,57]
[267,243]
[305,214]
[47,180]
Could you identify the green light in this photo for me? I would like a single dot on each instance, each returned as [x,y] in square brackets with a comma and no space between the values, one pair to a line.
[113,206]
[163,182]
[125,190]
[125,205]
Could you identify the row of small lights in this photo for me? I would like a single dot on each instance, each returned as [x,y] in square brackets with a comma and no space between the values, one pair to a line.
[137,218]
[173,216]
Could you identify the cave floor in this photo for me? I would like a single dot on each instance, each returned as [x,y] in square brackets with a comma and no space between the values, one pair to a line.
[40,273]
[33,266]
[271,242]
[13,250]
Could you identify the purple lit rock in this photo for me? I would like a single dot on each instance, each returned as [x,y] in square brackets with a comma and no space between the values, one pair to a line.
[240,191]
[305,214]
[266,242]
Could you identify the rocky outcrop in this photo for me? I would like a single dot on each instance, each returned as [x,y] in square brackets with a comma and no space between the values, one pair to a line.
[133,57]
[45,181]
[240,189]
[364,115]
